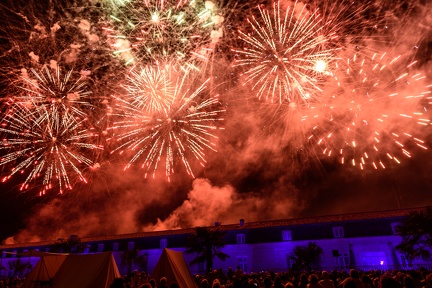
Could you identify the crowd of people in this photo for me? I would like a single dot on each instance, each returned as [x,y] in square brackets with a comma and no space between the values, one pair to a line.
[238,279]
[11,282]
[315,279]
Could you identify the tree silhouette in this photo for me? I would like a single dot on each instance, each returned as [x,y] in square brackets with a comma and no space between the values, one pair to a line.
[416,233]
[18,267]
[131,257]
[71,245]
[206,243]
[306,256]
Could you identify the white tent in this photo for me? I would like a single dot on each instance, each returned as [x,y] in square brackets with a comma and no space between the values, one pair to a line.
[44,271]
[172,265]
[74,270]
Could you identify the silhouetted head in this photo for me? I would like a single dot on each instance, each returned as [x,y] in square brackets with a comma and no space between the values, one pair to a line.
[163,281]
[354,274]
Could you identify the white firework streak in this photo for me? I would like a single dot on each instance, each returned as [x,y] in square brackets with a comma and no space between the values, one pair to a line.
[185,128]
[55,89]
[46,142]
[285,55]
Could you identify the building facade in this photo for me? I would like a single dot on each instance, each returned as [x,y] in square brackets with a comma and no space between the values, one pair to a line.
[363,241]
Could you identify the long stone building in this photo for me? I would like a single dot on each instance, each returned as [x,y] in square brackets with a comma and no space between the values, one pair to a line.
[361,240]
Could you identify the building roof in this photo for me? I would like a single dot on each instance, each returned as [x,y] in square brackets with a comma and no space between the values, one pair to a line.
[232,227]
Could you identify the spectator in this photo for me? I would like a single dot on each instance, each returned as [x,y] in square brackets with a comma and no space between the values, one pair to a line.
[216,284]
[349,283]
[117,283]
[408,282]
[428,281]
[313,282]
[303,281]
[355,277]
[267,282]
[326,282]
[239,272]
[277,282]
[367,282]
[386,281]
[204,284]
[163,282]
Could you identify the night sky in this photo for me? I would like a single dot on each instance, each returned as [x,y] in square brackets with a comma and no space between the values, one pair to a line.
[264,167]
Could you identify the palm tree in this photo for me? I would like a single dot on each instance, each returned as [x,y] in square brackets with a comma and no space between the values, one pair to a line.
[206,243]
[131,257]
[19,267]
[71,245]
[416,233]
[306,256]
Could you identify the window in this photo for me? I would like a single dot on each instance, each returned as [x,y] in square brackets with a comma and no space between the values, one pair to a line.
[241,238]
[87,249]
[338,232]
[404,262]
[242,262]
[343,260]
[115,246]
[394,227]
[290,262]
[131,245]
[47,249]
[100,247]
[163,243]
[286,235]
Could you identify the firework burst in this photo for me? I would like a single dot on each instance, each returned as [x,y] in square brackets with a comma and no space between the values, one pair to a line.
[150,88]
[46,143]
[181,130]
[67,91]
[379,105]
[285,56]
[158,29]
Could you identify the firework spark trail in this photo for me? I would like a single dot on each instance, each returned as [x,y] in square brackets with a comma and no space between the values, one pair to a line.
[56,90]
[185,128]
[372,119]
[289,57]
[353,27]
[285,56]
[46,142]
[150,88]
[159,30]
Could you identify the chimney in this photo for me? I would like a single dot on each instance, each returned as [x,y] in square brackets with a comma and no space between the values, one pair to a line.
[217,223]
[241,222]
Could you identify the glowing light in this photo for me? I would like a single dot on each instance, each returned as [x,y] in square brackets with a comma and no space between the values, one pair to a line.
[148,31]
[181,130]
[151,88]
[366,117]
[320,66]
[155,17]
[48,144]
[284,53]
[49,87]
